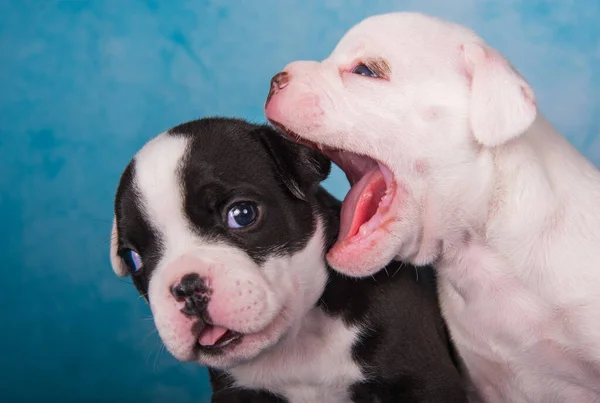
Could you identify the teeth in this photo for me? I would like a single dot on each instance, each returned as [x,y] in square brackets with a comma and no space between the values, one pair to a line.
[387,197]
[387,175]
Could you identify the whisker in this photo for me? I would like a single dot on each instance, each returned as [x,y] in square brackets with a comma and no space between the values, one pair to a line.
[149,355]
[150,334]
[161,349]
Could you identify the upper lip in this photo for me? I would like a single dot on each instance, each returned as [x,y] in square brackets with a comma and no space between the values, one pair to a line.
[293,136]
[337,155]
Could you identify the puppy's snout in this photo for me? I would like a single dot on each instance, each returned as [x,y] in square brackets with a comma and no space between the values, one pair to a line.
[278,82]
[193,290]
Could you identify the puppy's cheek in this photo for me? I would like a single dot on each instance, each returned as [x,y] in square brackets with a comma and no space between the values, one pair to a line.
[364,258]
[174,328]
[256,342]
[244,304]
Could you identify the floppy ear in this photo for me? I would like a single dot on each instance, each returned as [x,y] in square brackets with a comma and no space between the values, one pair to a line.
[117,264]
[300,168]
[502,102]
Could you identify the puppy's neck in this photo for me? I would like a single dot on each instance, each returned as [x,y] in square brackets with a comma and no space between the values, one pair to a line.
[542,187]
[516,192]
[535,174]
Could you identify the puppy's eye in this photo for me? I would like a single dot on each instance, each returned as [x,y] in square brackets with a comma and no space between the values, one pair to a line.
[132,260]
[242,215]
[363,70]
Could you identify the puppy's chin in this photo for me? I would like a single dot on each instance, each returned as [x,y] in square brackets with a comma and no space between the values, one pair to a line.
[402,238]
[368,238]
[242,349]
[363,257]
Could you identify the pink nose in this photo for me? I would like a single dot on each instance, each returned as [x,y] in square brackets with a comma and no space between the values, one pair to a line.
[278,82]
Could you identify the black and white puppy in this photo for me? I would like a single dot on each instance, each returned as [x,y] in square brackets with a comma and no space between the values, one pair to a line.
[223,227]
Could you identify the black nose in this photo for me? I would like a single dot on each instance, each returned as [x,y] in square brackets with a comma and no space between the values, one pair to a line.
[278,82]
[193,290]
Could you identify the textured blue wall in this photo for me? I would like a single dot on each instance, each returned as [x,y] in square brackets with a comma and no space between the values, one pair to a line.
[83,84]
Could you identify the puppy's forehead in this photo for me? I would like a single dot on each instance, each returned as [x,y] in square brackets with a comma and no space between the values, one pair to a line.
[223,150]
[400,35]
[157,165]
[202,151]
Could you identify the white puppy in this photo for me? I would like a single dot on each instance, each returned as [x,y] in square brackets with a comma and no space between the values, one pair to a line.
[452,164]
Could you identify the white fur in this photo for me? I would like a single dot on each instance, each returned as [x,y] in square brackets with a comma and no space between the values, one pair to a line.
[312,364]
[502,204]
[289,347]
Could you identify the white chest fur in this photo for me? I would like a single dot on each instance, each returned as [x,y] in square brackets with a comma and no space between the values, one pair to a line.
[313,365]
[519,344]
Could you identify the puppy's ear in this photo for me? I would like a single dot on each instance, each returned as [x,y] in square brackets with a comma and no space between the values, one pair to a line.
[300,168]
[117,263]
[502,102]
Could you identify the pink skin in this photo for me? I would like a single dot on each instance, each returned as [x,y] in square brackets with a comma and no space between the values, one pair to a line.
[244,304]
[351,254]
[302,99]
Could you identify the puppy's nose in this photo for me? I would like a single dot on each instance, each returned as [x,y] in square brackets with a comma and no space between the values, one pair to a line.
[278,82]
[193,290]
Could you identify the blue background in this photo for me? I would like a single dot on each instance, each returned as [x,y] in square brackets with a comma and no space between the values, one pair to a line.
[83,84]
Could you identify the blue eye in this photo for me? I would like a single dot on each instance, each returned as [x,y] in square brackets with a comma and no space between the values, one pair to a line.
[133,260]
[363,70]
[242,215]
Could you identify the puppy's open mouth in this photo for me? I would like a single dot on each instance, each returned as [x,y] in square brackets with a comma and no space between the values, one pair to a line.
[373,188]
[214,340]
[366,205]
[213,337]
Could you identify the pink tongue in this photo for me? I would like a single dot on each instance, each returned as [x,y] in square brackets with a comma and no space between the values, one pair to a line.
[361,203]
[211,334]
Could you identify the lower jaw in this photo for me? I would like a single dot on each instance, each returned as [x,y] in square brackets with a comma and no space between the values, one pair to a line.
[245,349]
[221,347]
[357,258]
[375,225]
[365,252]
